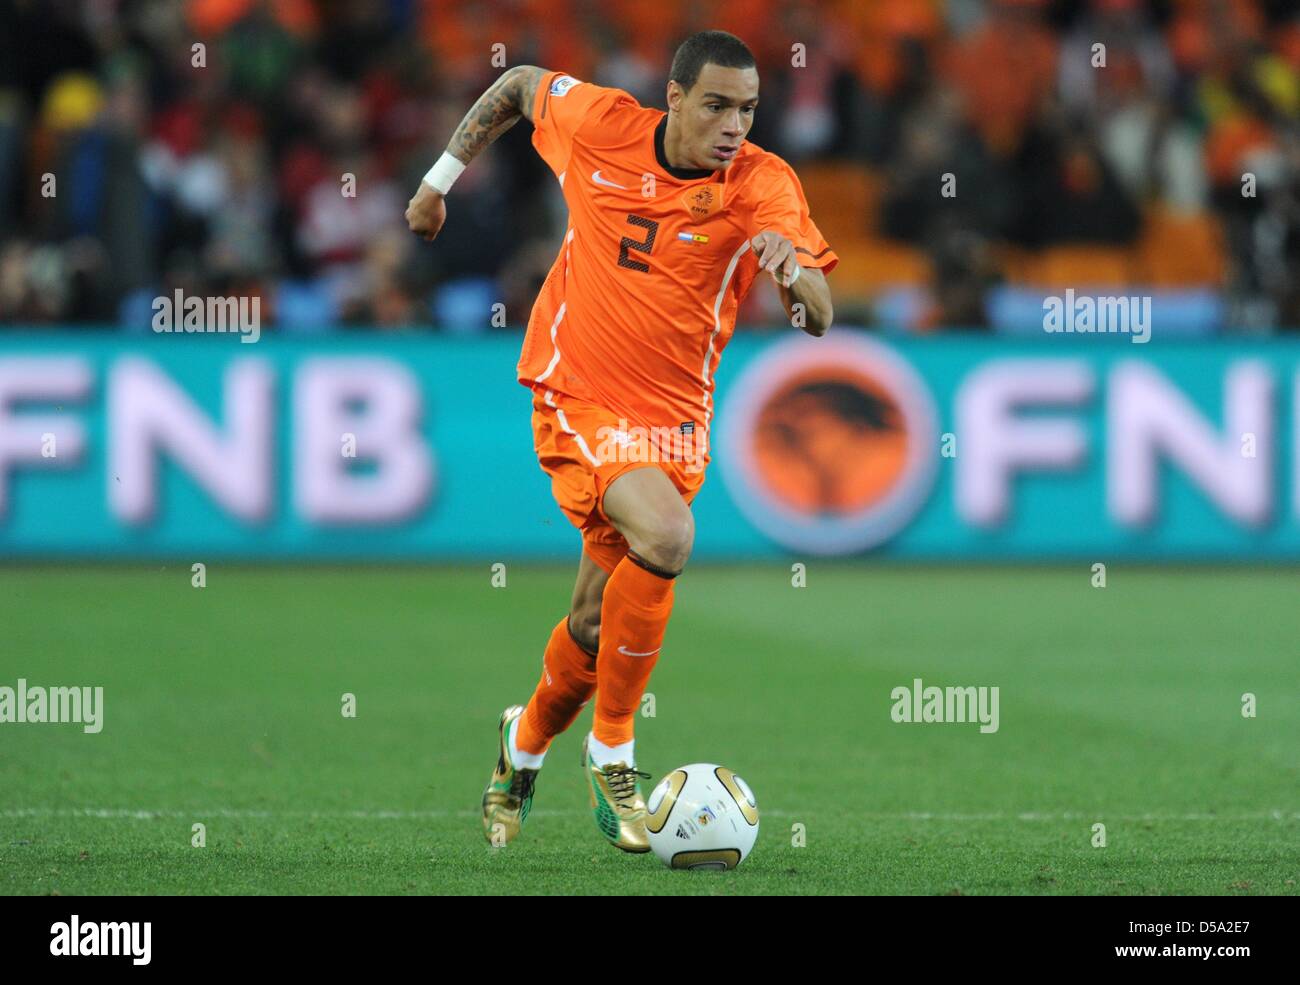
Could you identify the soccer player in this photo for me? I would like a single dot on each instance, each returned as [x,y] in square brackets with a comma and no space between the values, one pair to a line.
[671,217]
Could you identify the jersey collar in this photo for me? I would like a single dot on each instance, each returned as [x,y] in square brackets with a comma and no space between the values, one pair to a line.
[683,174]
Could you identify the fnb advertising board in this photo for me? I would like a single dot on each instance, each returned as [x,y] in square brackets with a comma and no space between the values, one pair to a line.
[373,447]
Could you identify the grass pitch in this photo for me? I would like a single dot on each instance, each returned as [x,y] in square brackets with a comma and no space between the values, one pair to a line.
[1120,706]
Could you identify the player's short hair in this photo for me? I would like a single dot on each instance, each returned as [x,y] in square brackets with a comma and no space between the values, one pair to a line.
[704,48]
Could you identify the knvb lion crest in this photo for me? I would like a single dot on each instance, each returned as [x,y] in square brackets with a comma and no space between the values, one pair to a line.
[703,201]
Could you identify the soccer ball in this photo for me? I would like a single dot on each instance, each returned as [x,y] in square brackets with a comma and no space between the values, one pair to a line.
[702,816]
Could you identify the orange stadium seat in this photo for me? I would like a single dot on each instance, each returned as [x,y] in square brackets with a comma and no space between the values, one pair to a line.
[843,197]
[868,266]
[1181,250]
[1174,250]
[1070,266]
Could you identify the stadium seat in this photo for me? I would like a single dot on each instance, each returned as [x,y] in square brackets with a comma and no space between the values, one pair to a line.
[842,195]
[868,266]
[1070,266]
[1181,250]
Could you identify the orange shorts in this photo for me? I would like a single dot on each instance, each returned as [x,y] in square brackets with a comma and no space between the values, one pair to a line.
[584,448]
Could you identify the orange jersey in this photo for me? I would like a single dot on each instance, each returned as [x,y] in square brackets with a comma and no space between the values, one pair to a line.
[642,298]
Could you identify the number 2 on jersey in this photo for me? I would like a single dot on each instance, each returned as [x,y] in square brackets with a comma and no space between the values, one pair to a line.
[644,246]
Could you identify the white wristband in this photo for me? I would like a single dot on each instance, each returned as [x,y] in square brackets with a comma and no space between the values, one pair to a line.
[444,174]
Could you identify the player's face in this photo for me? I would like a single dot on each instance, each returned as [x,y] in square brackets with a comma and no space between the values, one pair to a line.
[715,115]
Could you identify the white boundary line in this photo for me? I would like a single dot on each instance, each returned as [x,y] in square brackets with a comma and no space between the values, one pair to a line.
[118,813]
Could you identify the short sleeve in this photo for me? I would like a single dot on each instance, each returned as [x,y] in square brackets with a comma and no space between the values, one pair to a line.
[562,105]
[780,205]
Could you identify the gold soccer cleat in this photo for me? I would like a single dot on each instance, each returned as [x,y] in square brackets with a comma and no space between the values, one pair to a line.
[617,804]
[509,794]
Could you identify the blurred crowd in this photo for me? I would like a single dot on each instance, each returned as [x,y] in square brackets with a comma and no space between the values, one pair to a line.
[268,147]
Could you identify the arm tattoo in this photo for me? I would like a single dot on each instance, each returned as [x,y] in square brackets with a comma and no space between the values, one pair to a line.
[496,111]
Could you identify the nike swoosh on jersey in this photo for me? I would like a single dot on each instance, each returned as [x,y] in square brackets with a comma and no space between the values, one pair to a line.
[628,653]
[595,176]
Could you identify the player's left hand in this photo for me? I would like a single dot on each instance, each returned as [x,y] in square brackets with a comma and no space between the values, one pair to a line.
[775,255]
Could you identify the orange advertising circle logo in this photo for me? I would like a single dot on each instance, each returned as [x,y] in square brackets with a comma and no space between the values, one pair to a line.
[831,445]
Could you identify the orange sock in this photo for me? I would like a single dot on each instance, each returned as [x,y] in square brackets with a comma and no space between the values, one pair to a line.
[568,678]
[633,618]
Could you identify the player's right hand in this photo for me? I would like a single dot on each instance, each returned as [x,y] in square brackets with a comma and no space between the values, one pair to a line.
[426,212]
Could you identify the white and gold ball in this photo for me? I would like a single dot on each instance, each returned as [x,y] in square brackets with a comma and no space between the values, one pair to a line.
[702,816]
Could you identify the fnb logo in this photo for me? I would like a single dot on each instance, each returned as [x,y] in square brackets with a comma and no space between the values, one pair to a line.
[832,444]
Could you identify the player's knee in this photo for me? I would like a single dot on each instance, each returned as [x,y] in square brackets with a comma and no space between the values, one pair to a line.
[668,540]
[584,627]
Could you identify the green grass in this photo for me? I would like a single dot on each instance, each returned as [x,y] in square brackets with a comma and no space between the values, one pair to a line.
[1119,705]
